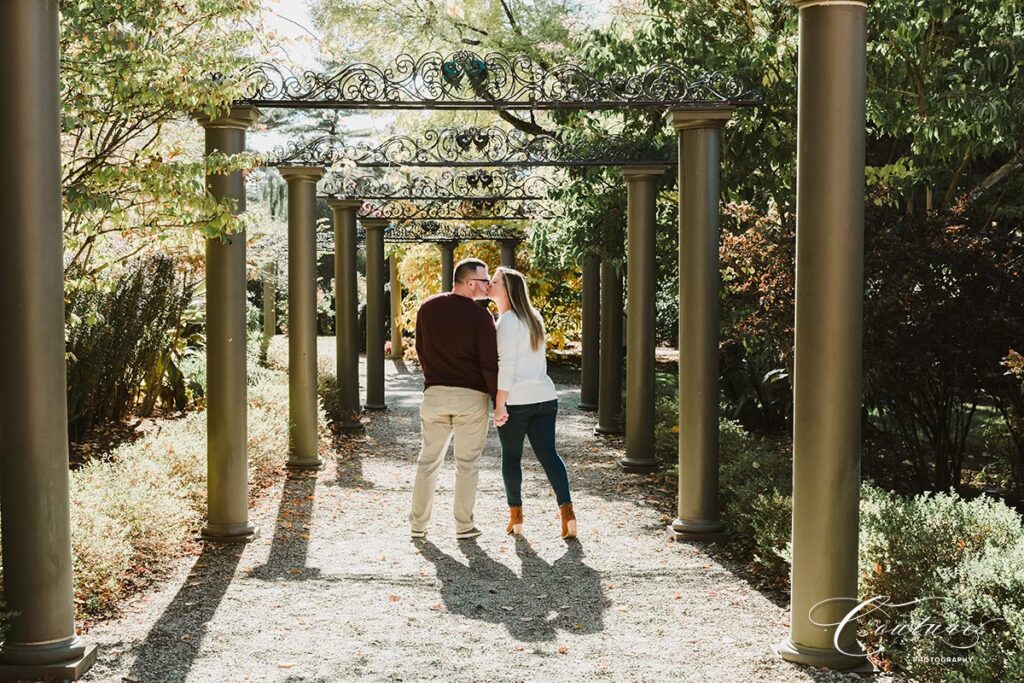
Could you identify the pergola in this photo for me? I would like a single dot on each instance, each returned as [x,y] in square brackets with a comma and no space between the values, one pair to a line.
[34,503]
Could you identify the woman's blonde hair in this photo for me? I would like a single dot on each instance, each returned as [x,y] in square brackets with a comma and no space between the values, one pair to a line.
[519,300]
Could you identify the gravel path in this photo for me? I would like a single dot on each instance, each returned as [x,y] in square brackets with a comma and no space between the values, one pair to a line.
[334,590]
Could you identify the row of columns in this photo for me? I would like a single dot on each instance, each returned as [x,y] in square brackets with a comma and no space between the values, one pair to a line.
[34,497]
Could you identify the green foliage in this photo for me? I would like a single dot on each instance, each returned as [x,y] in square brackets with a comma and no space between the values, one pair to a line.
[132,74]
[138,509]
[755,480]
[966,552]
[120,344]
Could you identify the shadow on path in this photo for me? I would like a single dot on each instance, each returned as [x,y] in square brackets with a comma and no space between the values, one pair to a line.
[292,529]
[172,645]
[566,594]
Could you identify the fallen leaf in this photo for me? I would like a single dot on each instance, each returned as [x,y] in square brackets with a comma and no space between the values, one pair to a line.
[563,650]
[286,665]
[294,571]
[393,598]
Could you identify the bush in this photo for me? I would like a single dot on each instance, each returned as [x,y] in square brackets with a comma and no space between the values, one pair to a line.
[963,551]
[117,341]
[132,513]
[755,481]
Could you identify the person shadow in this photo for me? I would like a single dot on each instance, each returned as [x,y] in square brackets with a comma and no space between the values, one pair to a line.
[565,595]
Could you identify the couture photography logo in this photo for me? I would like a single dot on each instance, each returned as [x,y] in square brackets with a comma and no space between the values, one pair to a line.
[881,619]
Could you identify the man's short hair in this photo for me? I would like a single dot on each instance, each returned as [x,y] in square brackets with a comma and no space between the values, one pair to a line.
[467,267]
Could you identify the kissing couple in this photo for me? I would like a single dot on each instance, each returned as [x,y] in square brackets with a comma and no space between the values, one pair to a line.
[466,358]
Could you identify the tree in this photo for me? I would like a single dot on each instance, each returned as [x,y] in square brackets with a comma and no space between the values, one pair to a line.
[132,74]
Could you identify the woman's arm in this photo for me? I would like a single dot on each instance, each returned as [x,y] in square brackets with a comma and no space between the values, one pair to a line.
[508,351]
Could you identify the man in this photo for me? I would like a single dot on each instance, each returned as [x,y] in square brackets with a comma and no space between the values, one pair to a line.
[457,349]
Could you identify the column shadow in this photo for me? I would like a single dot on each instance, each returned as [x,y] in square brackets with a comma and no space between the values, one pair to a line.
[348,465]
[566,595]
[172,644]
[292,530]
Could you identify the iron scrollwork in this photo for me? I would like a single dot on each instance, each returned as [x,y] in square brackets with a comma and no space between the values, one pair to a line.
[467,209]
[437,232]
[473,146]
[477,183]
[467,80]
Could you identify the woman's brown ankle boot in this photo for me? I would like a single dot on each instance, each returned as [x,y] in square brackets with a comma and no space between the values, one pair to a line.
[515,520]
[568,520]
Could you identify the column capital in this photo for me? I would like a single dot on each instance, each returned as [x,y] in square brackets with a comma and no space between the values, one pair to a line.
[239,116]
[448,244]
[337,203]
[803,4]
[639,172]
[309,173]
[711,117]
[374,223]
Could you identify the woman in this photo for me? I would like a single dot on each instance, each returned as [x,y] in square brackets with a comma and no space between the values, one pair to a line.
[526,403]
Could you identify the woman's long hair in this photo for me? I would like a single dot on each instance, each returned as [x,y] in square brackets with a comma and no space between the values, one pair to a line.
[519,300]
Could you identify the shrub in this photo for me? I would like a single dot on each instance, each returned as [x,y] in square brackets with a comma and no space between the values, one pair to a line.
[755,482]
[117,339]
[133,512]
[943,546]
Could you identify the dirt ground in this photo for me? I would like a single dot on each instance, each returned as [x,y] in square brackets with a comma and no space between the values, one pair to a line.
[335,590]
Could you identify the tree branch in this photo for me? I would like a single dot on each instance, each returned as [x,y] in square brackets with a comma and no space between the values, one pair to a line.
[994,178]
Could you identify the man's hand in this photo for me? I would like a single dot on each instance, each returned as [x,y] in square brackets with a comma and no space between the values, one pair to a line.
[500,416]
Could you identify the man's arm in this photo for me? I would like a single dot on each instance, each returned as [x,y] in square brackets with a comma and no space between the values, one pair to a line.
[418,333]
[487,348]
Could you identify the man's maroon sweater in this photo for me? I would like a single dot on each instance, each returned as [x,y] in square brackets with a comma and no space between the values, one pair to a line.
[456,344]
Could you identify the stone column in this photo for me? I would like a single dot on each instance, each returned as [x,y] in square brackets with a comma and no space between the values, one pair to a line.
[37,566]
[589,372]
[303,441]
[642,193]
[508,252]
[346,311]
[609,408]
[698,130]
[827,364]
[226,379]
[269,306]
[396,309]
[447,264]
[374,313]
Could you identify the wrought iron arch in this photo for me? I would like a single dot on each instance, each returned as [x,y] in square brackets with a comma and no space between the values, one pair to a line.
[465,209]
[461,184]
[473,146]
[470,81]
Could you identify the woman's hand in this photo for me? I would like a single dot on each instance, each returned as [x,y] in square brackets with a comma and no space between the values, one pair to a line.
[500,416]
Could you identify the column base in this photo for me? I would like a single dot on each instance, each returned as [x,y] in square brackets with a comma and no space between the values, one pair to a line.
[608,431]
[229,533]
[828,658]
[81,658]
[588,407]
[316,463]
[352,428]
[698,530]
[369,406]
[634,466]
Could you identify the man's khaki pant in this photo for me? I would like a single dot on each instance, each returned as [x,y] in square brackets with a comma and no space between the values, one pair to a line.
[448,411]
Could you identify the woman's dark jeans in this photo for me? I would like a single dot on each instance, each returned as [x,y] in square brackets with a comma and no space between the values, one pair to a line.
[536,421]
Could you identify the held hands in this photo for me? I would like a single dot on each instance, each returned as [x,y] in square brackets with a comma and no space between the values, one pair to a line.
[500,416]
